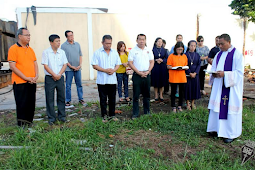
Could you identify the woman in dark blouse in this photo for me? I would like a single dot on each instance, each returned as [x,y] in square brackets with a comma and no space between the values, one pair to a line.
[159,71]
[192,88]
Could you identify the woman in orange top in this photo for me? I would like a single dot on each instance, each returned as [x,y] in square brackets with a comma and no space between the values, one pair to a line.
[177,76]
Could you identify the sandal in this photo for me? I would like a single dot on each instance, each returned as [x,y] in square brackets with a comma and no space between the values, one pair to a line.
[82,102]
[161,99]
[193,106]
[68,103]
[105,119]
[127,99]
[121,100]
[114,118]
[179,109]
[174,109]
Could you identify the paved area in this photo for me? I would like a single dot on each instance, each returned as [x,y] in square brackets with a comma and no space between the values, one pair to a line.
[90,93]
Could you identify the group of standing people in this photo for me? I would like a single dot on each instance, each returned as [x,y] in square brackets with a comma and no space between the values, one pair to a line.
[111,66]
[56,61]
[182,67]
[186,82]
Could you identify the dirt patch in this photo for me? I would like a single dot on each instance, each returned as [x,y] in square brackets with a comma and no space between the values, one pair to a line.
[156,144]
[8,118]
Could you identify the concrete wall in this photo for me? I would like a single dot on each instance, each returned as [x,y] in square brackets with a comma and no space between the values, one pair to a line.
[125,27]
[58,23]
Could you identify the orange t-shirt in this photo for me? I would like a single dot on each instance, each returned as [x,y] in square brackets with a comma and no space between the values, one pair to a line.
[24,59]
[177,76]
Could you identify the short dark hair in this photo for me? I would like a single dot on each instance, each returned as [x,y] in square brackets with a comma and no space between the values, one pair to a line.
[218,37]
[164,41]
[178,36]
[53,37]
[20,31]
[178,45]
[140,35]
[108,37]
[226,37]
[67,31]
[199,38]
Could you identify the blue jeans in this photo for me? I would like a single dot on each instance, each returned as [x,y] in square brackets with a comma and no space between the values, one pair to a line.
[69,79]
[122,77]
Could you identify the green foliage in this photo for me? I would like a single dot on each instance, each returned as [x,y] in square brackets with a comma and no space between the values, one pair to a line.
[54,148]
[244,8]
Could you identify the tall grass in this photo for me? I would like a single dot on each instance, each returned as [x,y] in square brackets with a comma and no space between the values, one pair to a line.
[55,149]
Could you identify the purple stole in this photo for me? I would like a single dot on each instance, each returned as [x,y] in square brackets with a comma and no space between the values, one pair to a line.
[225,91]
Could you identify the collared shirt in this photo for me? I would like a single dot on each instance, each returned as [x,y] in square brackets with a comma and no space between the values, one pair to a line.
[73,53]
[105,61]
[54,61]
[24,58]
[141,58]
[213,52]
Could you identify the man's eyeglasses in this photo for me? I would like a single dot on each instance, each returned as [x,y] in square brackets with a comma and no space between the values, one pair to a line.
[201,41]
[27,35]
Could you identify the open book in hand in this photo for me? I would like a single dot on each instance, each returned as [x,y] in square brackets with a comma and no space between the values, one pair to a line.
[210,72]
[181,67]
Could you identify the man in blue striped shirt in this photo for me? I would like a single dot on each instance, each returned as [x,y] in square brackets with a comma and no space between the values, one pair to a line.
[106,61]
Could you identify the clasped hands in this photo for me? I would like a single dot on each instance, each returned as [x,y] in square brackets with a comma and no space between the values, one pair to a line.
[32,80]
[159,60]
[219,74]
[109,71]
[75,68]
[193,75]
[143,73]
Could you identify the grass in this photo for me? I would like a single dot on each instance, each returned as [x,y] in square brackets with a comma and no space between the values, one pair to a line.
[157,141]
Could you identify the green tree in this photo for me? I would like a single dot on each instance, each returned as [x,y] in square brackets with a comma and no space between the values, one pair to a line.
[245,9]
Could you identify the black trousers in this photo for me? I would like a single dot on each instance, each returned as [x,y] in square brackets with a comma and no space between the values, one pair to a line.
[166,87]
[50,86]
[24,95]
[107,90]
[141,85]
[173,92]
[202,76]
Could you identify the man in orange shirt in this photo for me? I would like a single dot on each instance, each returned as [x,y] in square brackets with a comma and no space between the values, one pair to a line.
[22,61]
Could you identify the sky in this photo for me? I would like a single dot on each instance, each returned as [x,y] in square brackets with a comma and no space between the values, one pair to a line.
[8,7]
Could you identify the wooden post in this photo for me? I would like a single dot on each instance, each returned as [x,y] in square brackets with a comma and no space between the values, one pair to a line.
[197,25]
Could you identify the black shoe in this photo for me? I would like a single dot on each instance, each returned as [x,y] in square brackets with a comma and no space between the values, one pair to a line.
[213,134]
[63,121]
[51,123]
[226,140]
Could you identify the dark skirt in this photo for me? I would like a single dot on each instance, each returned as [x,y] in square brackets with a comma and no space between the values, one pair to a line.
[159,76]
[192,88]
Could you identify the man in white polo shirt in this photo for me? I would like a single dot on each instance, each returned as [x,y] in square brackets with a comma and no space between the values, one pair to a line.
[141,60]
[106,61]
[54,61]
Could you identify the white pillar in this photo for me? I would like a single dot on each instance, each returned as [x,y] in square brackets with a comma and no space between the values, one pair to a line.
[90,44]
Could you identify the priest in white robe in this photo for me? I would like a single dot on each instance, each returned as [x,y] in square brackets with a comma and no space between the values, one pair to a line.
[225,104]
